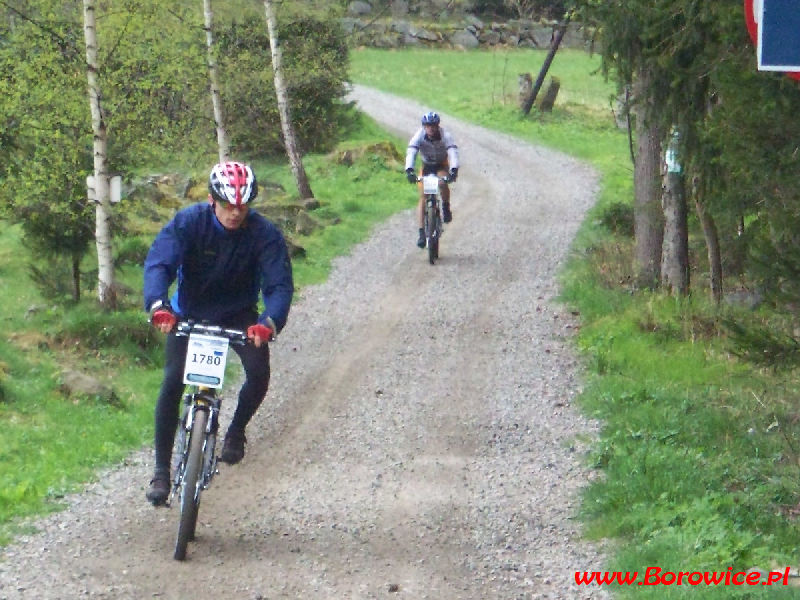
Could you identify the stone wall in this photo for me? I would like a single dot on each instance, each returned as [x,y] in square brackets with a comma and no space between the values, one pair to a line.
[463,32]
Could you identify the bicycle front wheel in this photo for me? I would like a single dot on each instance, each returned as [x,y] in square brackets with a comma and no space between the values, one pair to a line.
[190,486]
[432,233]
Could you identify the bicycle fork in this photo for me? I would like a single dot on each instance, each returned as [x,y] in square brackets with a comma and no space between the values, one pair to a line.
[209,403]
[431,218]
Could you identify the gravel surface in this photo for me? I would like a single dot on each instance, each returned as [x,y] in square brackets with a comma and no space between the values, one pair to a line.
[419,439]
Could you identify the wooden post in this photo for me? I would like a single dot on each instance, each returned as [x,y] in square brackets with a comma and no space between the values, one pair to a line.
[549,99]
[526,107]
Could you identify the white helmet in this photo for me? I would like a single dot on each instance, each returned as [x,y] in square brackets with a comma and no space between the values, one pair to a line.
[232,182]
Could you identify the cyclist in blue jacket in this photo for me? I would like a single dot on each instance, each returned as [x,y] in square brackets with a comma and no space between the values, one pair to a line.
[222,254]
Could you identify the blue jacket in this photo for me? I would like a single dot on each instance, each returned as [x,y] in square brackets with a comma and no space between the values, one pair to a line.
[219,272]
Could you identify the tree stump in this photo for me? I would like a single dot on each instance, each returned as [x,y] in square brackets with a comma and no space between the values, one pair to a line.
[549,98]
[525,89]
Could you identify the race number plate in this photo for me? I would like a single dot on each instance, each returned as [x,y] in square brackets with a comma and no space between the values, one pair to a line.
[205,360]
[430,184]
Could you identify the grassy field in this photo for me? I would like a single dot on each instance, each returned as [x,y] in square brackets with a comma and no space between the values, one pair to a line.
[698,457]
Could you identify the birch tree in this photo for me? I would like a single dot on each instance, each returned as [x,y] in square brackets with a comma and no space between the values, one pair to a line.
[284,108]
[100,193]
[216,100]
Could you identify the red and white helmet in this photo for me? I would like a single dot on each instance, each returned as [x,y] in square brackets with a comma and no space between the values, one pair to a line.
[232,182]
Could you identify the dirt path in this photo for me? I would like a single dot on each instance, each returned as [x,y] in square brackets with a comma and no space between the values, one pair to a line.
[418,440]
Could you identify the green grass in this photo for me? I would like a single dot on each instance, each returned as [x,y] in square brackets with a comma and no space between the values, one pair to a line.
[698,455]
[481,87]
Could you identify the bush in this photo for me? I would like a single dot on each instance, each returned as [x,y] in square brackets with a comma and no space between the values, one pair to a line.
[131,251]
[618,219]
[315,61]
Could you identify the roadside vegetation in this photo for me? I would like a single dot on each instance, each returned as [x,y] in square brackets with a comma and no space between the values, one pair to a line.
[698,458]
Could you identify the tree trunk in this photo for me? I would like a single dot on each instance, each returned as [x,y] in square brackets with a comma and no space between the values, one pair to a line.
[216,100]
[296,162]
[528,103]
[648,218]
[712,247]
[76,277]
[105,260]
[675,254]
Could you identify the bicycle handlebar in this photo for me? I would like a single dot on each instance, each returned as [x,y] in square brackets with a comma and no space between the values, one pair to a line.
[235,336]
[443,178]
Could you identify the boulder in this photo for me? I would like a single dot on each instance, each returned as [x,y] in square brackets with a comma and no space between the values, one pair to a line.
[359,8]
[305,224]
[464,39]
[77,385]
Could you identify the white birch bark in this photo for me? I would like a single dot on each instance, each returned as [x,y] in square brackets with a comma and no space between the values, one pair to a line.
[216,100]
[296,162]
[101,195]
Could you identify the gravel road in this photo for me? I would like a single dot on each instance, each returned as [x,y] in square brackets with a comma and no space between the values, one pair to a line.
[419,439]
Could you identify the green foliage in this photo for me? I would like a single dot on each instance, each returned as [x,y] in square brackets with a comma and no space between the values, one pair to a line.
[697,456]
[131,251]
[763,344]
[534,9]
[618,219]
[43,172]
[697,453]
[738,138]
[315,69]
[53,278]
[153,79]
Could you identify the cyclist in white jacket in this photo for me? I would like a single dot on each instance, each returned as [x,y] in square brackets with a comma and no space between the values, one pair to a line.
[439,154]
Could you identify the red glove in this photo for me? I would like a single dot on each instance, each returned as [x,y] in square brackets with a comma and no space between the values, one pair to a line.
[163,317]
[261,331]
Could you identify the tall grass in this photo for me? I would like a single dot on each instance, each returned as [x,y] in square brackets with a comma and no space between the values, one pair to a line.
[698,455]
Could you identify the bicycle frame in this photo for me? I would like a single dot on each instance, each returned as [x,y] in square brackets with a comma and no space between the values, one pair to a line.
[432,218]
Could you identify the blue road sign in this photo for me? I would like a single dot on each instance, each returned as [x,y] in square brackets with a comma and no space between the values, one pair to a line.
[778,35]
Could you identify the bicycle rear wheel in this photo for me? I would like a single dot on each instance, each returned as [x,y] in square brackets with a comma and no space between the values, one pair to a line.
[190,492]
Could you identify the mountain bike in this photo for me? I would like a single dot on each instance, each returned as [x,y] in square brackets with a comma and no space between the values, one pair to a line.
[194,458]
[432,218]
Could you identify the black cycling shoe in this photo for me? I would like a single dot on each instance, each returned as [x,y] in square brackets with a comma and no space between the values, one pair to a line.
[447,216]
[233,448]
[421,238]
[158,492]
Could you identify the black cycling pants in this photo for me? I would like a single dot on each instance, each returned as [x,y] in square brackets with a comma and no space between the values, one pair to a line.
[255,362]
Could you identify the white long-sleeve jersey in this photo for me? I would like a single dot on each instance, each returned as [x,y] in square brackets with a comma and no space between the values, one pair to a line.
[432,151]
